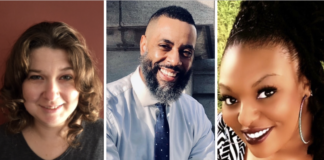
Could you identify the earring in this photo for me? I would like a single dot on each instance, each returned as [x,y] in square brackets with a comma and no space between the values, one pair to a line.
[299,121]
[311,93]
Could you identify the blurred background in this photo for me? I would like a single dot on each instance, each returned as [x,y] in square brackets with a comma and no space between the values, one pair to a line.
[86,17]
[226,13]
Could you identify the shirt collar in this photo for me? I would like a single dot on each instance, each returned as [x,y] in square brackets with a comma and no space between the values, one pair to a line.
[141,90]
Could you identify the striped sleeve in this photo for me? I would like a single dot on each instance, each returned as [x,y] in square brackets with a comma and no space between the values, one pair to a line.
[229,145]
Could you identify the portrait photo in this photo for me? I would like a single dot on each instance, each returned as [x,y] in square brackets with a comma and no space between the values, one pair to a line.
[160,73]
[51,88]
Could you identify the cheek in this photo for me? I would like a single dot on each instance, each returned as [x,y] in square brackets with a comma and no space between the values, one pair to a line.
[187,63]
[71,95]
[230,116]
[285,108]
[156,56]
[30,92]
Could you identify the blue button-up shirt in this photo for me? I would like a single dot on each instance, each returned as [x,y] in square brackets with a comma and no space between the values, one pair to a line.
[131,116]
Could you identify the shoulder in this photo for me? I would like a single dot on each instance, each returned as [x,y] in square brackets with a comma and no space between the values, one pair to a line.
[192,110]
[5,134]
[92,135]
[93,129]
[91,142]
[118,87]
[12,143]
[189,104]
[228,143]
[186,99]
[225,133]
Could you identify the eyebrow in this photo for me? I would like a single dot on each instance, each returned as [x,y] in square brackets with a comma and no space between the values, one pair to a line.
[187,46]
[224,86]
[253,85]
[39,71]
[262,78]
[167,41]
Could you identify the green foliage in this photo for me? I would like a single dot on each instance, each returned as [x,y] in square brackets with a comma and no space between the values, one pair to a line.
[226,13]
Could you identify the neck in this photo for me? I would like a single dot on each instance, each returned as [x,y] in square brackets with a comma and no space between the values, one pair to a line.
[48,132]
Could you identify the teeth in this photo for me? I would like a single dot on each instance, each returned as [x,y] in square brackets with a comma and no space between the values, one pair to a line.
[52,107]
[257,134]
[168,73]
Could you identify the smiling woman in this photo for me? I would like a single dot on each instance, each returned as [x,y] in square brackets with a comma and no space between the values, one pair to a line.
[271,83]
[52,95]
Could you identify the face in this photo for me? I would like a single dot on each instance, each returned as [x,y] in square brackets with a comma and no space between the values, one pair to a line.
[261,96]
[49,90]
[167,52]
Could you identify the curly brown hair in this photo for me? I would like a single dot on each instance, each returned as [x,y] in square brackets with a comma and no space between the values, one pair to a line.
[55,35]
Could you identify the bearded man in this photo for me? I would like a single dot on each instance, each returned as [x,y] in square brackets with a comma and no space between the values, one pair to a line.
[148,116]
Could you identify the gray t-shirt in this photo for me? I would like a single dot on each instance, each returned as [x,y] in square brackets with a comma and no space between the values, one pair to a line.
[15,147]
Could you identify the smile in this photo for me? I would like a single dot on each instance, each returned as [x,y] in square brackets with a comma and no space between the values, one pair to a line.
[256,136]
[167,73]
[52,107]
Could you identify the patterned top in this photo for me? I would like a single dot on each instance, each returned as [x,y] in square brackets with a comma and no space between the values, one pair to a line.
[229,145]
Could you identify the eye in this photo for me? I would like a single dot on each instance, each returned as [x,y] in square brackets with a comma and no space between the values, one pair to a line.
[66,77]
[266,92]
[228,100]
[165,47]
[187,54]
[35,77]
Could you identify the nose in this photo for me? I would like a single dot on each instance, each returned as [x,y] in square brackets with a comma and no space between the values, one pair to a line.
[174,58]
[248,114]
[51,92]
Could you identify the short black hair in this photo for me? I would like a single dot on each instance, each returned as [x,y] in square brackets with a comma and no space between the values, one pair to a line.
[174,12]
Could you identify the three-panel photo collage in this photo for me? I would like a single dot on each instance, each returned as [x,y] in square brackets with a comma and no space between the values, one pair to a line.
[161,80]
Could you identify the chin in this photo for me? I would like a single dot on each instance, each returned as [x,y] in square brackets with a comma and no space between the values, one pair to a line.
[261,151]
[54,122]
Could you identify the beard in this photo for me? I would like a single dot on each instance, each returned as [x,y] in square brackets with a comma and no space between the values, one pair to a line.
[169,91]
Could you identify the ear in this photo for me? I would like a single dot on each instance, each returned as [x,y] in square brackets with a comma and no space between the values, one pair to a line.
[305,85]
[143,44]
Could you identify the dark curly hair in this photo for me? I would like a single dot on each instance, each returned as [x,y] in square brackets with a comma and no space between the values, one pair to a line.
[56,35]
[299,26]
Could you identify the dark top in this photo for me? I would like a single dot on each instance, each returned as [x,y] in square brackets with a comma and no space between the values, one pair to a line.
[15,147]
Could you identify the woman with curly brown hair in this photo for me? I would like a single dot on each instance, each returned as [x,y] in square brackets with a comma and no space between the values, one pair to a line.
[52,96]
[272,83]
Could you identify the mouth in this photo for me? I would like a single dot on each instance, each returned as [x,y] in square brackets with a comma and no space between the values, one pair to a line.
[51,107]
[168,74]
[256,136]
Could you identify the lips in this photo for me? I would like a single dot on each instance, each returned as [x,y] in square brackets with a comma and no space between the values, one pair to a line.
[256,136]
[51,108]
[168,74]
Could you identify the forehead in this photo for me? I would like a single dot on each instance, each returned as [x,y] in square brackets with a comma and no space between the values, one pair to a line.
[46,57]
[173,30]
[246,64]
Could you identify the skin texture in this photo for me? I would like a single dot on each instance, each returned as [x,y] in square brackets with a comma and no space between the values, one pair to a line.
[50,83]
[169,41]
[261,89]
